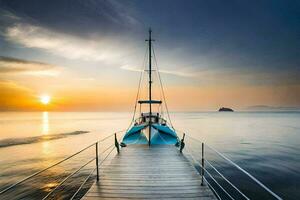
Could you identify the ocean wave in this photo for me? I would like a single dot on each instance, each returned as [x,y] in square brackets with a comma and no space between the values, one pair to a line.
[29,140]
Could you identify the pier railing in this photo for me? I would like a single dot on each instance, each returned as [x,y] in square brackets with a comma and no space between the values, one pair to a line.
[99,158]
[214,178]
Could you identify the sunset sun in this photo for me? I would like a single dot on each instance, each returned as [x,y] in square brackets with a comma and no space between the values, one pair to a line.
[45,99]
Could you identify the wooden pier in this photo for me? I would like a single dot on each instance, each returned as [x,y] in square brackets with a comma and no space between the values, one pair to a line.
[143,172]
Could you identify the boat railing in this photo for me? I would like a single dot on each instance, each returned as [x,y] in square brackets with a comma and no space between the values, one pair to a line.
[99,158]
[146,119]
[197,152]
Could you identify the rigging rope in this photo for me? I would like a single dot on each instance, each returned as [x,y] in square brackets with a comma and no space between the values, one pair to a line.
[139,88]
[162,93]
[162,89]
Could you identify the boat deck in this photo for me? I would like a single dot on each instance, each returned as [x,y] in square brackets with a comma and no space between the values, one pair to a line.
[140,172]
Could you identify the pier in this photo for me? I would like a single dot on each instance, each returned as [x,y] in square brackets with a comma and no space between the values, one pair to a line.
[143,172]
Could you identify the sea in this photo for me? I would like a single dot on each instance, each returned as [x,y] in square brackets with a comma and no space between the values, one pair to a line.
[265,144]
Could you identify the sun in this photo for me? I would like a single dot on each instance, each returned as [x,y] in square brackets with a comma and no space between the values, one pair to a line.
[45,99]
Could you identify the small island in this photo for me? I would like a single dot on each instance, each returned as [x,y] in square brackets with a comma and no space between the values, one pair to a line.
[223,109]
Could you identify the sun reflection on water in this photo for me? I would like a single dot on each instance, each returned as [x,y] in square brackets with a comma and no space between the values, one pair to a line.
[46,148]
[50,186]
[45,124]
[45,131]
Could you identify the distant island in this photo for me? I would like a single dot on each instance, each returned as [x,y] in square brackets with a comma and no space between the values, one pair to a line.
[223,109]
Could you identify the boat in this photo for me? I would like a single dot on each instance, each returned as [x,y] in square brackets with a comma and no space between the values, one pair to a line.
[150,127]
[150,164]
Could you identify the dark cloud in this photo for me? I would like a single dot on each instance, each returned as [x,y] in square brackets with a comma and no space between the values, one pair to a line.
[9,65]
[261,37]
[21,61]
[76,17]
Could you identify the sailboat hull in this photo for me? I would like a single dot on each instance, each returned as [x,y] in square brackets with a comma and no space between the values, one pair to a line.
[135,135]
[163,135]
[159,135]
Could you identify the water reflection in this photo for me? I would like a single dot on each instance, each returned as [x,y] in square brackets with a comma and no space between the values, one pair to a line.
[50,186]
[45,124]
[265,144]
[45,131]
[46,148]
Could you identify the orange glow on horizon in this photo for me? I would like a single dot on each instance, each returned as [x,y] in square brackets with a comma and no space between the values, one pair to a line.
[15,97]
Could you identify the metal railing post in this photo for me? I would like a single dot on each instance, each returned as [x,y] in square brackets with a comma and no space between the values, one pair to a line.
[97,161]
[202,164]
[117,143]
[182,144]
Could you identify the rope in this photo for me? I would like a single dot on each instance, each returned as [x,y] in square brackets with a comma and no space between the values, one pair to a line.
[139,88]
[162,89]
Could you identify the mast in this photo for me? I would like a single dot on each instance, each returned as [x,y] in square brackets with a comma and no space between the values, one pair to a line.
[150,84]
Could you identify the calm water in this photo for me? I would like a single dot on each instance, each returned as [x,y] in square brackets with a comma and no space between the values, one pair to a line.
[265,144]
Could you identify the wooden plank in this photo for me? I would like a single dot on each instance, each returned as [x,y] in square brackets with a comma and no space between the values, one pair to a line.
[149,195]
[152,198]
[128,187]
[140,172]
[150,184]
[146,192]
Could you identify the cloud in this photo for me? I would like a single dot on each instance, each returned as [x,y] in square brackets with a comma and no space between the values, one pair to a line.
[184,72]
[79,18]
[89,31]
[95,48]
[129,68]
[10,65]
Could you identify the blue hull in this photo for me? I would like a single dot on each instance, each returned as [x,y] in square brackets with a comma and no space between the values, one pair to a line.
[159,135]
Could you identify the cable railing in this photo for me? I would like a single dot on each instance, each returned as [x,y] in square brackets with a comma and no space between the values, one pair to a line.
[206,169]
[103,154]
[204,164]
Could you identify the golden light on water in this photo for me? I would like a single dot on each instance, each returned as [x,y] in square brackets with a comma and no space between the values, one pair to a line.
[45,124]
[45,131]
[45,99]
[50,186]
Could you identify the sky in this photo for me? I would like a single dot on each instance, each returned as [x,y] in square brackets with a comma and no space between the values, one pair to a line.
[88,55]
